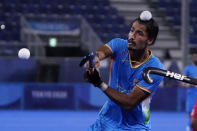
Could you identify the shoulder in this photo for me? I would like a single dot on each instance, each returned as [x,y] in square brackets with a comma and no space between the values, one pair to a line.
[117,44]
[118,41]
[155,62]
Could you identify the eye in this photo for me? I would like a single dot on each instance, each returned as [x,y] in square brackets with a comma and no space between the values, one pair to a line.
[140,33]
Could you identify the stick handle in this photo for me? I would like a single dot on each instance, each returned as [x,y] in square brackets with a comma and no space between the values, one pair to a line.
[91,60]
[166,73]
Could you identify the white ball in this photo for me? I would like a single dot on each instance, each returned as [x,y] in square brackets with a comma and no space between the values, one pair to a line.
[145,16]
[2,26]
[24,53]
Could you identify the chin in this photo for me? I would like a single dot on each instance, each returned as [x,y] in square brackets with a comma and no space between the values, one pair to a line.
[131,48]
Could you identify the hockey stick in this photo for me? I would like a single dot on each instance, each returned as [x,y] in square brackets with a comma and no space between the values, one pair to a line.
[173,75]
[89,58]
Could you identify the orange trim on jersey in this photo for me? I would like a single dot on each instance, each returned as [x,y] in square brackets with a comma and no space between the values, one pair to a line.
[110,67]
[108,47]
[147,90]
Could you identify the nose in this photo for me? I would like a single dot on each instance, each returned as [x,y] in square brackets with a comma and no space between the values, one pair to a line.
[131,35]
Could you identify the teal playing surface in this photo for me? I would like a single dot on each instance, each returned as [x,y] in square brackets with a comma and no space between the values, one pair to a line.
[78,120]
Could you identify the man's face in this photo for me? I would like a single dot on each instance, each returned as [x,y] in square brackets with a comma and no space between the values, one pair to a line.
[138,37]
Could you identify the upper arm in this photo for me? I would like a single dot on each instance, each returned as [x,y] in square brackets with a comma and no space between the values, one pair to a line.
[137,95]
[112,48]
[103,52]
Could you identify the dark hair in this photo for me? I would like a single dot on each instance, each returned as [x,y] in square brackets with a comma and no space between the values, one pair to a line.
[152,28]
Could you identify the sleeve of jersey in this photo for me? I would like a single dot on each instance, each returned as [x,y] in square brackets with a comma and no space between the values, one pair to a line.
[194,111]
[114,45]
[150,87]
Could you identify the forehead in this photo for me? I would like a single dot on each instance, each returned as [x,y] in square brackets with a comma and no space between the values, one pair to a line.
[137,26]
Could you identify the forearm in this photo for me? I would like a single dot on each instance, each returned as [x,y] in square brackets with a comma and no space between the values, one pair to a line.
[120,99]
[126,101]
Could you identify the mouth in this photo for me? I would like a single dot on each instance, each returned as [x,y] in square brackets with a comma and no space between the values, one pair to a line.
[131,42]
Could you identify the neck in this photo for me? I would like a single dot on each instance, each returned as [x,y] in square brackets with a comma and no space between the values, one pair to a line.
[138,56]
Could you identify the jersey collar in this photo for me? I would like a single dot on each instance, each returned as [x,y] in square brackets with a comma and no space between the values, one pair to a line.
[139,64]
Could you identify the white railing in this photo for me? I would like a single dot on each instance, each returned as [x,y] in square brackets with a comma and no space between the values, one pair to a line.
[89,40]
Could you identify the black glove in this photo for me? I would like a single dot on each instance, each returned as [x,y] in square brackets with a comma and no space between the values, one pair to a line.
[93,78]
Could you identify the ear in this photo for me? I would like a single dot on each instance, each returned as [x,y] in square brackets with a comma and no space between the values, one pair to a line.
[150,42]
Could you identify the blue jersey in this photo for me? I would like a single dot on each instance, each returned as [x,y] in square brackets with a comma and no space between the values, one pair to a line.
[123,77]
[191,71]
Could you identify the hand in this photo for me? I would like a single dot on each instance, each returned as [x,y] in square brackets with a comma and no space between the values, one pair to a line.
[93,77]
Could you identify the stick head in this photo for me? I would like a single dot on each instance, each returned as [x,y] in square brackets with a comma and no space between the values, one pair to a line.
[84,60]
[146,75]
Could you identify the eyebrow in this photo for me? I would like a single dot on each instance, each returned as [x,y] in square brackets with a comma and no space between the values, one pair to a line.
[132,28]
[139,31]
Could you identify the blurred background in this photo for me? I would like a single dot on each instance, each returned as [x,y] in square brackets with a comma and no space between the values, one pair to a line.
[47,91]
